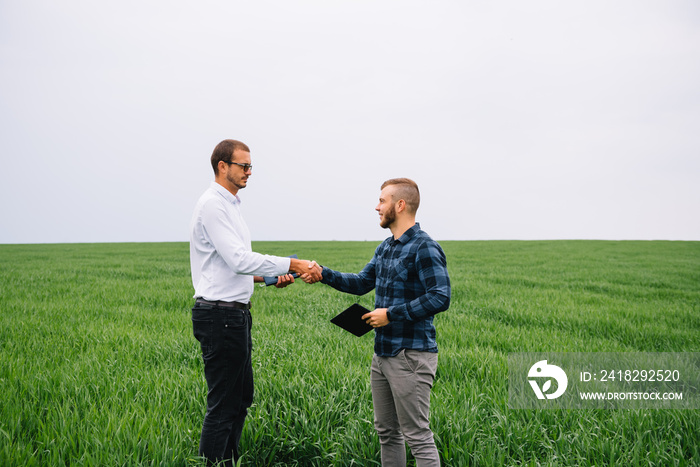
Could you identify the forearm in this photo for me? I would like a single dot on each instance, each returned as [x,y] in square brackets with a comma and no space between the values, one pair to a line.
[256,264]
[421,307]
[356,284]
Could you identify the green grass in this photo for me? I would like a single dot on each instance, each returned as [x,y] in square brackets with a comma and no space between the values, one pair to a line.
[98,365]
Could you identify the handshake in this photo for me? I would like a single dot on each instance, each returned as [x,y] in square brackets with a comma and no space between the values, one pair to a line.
[309,271]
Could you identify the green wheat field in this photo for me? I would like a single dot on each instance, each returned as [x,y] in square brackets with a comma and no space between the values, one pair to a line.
[98,365]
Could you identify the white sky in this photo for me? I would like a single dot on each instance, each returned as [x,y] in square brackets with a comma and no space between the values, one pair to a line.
[518,119]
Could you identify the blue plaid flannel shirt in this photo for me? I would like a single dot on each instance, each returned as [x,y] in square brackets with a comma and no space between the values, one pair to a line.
[411,280]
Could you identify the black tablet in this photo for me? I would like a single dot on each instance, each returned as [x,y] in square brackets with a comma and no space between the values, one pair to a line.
[351,320]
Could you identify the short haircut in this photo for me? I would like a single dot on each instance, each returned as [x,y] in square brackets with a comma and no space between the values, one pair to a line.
[407,190]
[224,152]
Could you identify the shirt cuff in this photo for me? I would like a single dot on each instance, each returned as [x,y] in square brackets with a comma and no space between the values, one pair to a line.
[324,275]
[287,262]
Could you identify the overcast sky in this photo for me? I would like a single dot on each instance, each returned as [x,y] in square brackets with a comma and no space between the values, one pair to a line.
[517,119]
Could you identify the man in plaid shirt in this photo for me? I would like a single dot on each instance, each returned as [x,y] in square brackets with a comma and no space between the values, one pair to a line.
[409,273]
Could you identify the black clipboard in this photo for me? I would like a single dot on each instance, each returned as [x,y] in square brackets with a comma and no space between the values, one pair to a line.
[351,320]
[273,280]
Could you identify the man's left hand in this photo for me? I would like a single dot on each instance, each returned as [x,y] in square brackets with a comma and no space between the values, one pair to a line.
[376,318]
[284,281]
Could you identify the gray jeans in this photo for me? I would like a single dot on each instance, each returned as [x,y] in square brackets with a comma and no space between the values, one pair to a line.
[401,395]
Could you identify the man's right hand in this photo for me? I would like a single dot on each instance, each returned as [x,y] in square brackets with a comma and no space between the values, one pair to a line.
[309,271]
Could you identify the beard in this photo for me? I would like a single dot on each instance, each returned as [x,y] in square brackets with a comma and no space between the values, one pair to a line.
[388,218]
[237,182]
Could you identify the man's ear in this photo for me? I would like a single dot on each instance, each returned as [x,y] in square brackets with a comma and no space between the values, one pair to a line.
[400,205]
[222,166]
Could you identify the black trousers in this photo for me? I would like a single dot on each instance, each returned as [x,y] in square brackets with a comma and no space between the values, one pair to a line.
[224,335]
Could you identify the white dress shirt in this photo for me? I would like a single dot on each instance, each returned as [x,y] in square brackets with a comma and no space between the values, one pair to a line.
[222,261]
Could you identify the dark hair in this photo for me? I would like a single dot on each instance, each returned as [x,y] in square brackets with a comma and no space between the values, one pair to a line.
[224,152]
[407,190]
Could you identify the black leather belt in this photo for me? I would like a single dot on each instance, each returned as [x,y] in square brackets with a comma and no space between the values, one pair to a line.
[222,304]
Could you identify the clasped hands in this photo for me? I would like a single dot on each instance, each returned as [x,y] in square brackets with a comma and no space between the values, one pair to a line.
[309,271]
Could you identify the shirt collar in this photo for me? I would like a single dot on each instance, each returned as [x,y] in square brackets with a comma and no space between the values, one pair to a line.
[407,235]
[230,197]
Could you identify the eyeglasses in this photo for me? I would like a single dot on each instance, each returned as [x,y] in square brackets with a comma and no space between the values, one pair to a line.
[246,167]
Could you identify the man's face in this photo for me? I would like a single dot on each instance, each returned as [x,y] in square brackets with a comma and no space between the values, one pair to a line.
[386,207]
[235,173]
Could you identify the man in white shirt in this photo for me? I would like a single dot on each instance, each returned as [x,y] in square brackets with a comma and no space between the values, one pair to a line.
[224,268]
